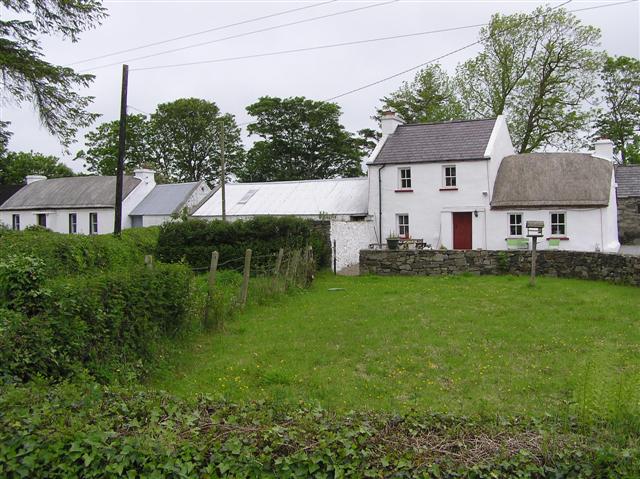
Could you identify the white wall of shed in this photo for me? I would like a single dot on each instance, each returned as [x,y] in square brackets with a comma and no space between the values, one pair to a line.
[350,238]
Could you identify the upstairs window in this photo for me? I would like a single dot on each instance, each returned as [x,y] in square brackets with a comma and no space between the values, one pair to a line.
[403,226]
[515,224]
[558,224]
[73,223]
[405,178]
[15,222]
[93,223]
[449,177]
[42,219]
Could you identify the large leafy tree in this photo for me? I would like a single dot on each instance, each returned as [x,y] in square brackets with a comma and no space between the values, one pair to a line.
[619,120]
[28,77]
[537,69]
[301,139]
[186,135]
[100,155]
[15,166]
[430,97]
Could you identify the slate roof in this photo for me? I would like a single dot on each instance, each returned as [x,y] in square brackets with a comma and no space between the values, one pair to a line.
[346,196]
[552,180]
[431,142]
[628,179]
[74,192]
[7,191]
[165,199]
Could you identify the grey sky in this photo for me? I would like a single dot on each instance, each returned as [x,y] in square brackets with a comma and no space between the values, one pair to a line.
[316,74]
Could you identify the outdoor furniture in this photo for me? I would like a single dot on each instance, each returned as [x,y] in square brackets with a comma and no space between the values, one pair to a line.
[411,243]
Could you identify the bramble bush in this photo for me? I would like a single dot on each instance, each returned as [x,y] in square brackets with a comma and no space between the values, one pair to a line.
[116,432]
[64,254]
[194,240]
[101,322]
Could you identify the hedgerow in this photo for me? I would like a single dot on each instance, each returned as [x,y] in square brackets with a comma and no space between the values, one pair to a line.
[194,240]
[65,254]
[100,322]
[122,433]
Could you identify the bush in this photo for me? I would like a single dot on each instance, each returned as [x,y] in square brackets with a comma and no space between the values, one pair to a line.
[64,254]
[102,322]
[194,240]
[21,284]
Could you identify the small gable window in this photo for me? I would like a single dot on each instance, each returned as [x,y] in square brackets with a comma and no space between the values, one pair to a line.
[450,179]
[405,178]
[515,224]
[558,224]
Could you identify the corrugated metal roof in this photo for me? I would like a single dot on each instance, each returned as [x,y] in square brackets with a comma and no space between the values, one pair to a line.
[552,180]
[628,179]
[345,196]
[7,191]
[165,199]
[74,192]
[428,142]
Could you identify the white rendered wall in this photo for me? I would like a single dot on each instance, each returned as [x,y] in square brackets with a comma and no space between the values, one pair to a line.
[132,200]
[350,238]
[58,220]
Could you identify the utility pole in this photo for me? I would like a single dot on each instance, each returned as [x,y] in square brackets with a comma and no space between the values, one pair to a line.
[223,173]
[122,141]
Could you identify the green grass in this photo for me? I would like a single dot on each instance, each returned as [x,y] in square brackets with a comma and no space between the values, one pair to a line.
[464,345]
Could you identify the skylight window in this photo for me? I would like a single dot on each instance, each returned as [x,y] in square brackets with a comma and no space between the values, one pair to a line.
[247,196]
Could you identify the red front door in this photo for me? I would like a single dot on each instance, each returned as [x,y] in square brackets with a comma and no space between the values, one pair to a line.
[462,230]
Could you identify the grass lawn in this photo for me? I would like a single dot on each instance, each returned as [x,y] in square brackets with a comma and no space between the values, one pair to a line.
[465,345]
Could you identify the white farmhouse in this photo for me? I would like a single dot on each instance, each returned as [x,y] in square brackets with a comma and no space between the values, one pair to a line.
[343,202]
[80,204]
[459,185]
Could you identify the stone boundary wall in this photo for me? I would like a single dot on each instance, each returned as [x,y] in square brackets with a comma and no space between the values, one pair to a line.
[566,264]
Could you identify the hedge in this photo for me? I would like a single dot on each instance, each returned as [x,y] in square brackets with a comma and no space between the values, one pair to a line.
[65,254]
[101,322]
[194,240]
[122,433]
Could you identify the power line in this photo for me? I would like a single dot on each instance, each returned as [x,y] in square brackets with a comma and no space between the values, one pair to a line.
[306,49]
[202,32]
[230,37]
[421,65]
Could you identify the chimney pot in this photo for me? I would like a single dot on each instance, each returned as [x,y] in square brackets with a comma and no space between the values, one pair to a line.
[390,121]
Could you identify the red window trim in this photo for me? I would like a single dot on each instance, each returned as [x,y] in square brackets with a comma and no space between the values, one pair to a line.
[561,238]
[455,188]
[404,190]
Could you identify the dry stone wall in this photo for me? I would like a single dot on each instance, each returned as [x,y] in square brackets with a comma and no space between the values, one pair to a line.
[567,264]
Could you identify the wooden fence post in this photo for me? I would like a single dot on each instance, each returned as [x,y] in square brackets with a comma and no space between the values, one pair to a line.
[276,270]
[148,261]
[213,268]
[294,265]
[245,280]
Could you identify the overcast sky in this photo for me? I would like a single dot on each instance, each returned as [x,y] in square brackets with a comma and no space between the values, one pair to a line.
[318,74]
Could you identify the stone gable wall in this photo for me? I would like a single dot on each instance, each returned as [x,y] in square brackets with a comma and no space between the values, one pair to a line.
[629,220]
[566,264]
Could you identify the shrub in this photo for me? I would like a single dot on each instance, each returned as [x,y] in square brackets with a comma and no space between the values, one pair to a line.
[102,322]
[64,254]
[194,240]
[21,281]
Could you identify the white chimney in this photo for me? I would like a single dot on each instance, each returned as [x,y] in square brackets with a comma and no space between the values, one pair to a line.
[604,149]
[145,175]
[33,178]
[390,121]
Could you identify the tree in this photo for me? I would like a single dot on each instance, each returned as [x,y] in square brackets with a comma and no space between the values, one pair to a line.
[101,155]
[620,120]
[15,166]
[539,70]
[430,97]
[301,140]
[186,141]
[27,77]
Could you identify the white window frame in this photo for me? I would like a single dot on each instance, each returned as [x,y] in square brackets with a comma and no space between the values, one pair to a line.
[563,224]
[404,178]
[73,230]
[453,179]
[15,222]
[403,227]
[92,230]
[516,225]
